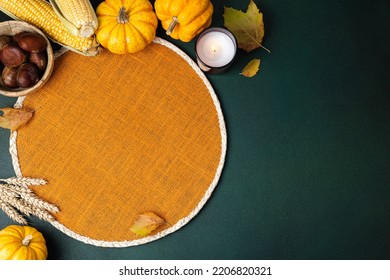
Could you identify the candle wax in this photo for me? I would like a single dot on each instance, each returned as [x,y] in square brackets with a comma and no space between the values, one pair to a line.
[216,49]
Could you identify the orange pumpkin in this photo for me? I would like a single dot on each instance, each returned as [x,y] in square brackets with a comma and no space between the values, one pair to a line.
[22,243]
[126,26]
[184,20]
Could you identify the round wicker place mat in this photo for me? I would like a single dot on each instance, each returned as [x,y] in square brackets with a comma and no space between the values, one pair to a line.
[120,135]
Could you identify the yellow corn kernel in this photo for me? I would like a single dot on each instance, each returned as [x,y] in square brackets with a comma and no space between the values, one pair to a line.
[77,15]
[41,14]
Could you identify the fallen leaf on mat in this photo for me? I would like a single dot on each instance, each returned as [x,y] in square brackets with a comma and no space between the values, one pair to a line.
[248,28]
[146,223]
[14,118]
[251,68]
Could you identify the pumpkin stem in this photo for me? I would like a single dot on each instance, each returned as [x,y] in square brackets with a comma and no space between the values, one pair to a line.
[122,17]
[172,25]
[26,241]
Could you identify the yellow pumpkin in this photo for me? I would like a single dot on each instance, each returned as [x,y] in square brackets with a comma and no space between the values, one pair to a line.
[126,26]
[184,19]
[22,243]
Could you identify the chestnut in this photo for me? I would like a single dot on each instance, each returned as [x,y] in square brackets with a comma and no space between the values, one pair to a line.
[12,55]
[17,36]
[32,42]
[4,40]
[39,59]
[27,75]
[8,77]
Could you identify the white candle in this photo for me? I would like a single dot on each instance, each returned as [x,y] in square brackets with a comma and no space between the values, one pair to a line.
[215,49]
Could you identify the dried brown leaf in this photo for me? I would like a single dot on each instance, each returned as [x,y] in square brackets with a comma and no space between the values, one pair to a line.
[14,118]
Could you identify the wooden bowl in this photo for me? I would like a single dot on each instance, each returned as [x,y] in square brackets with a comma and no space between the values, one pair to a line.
[11,28]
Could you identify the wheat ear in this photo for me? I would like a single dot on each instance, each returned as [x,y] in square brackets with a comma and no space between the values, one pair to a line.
[17,199]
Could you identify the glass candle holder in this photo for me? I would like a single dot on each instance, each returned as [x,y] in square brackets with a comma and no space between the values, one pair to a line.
[215,50]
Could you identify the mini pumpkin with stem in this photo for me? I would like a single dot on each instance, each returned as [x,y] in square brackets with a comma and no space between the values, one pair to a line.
[126,26]
[22,243]
[184,20]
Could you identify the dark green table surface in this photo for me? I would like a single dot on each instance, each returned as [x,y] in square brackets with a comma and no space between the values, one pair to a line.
[307,169]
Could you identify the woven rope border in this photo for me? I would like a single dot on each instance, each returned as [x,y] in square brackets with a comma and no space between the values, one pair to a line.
[119,244]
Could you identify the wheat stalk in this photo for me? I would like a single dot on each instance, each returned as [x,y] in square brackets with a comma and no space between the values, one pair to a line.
[17,199]
[24,181]
[12,213]
[35,201]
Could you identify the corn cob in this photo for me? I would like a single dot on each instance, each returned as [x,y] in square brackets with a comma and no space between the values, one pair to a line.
[78,16]
[41,14]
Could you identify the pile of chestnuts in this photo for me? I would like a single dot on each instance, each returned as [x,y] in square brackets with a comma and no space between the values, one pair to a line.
[23,59]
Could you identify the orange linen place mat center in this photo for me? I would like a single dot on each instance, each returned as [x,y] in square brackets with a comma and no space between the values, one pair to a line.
[119,135]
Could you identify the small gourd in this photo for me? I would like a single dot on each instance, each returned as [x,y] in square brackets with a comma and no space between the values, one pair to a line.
[22,243]
[184,19]
[126,26]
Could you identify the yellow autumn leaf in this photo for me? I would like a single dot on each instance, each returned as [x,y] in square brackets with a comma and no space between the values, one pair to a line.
[251,68]
[146,223]
[14,118]
[248,27]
